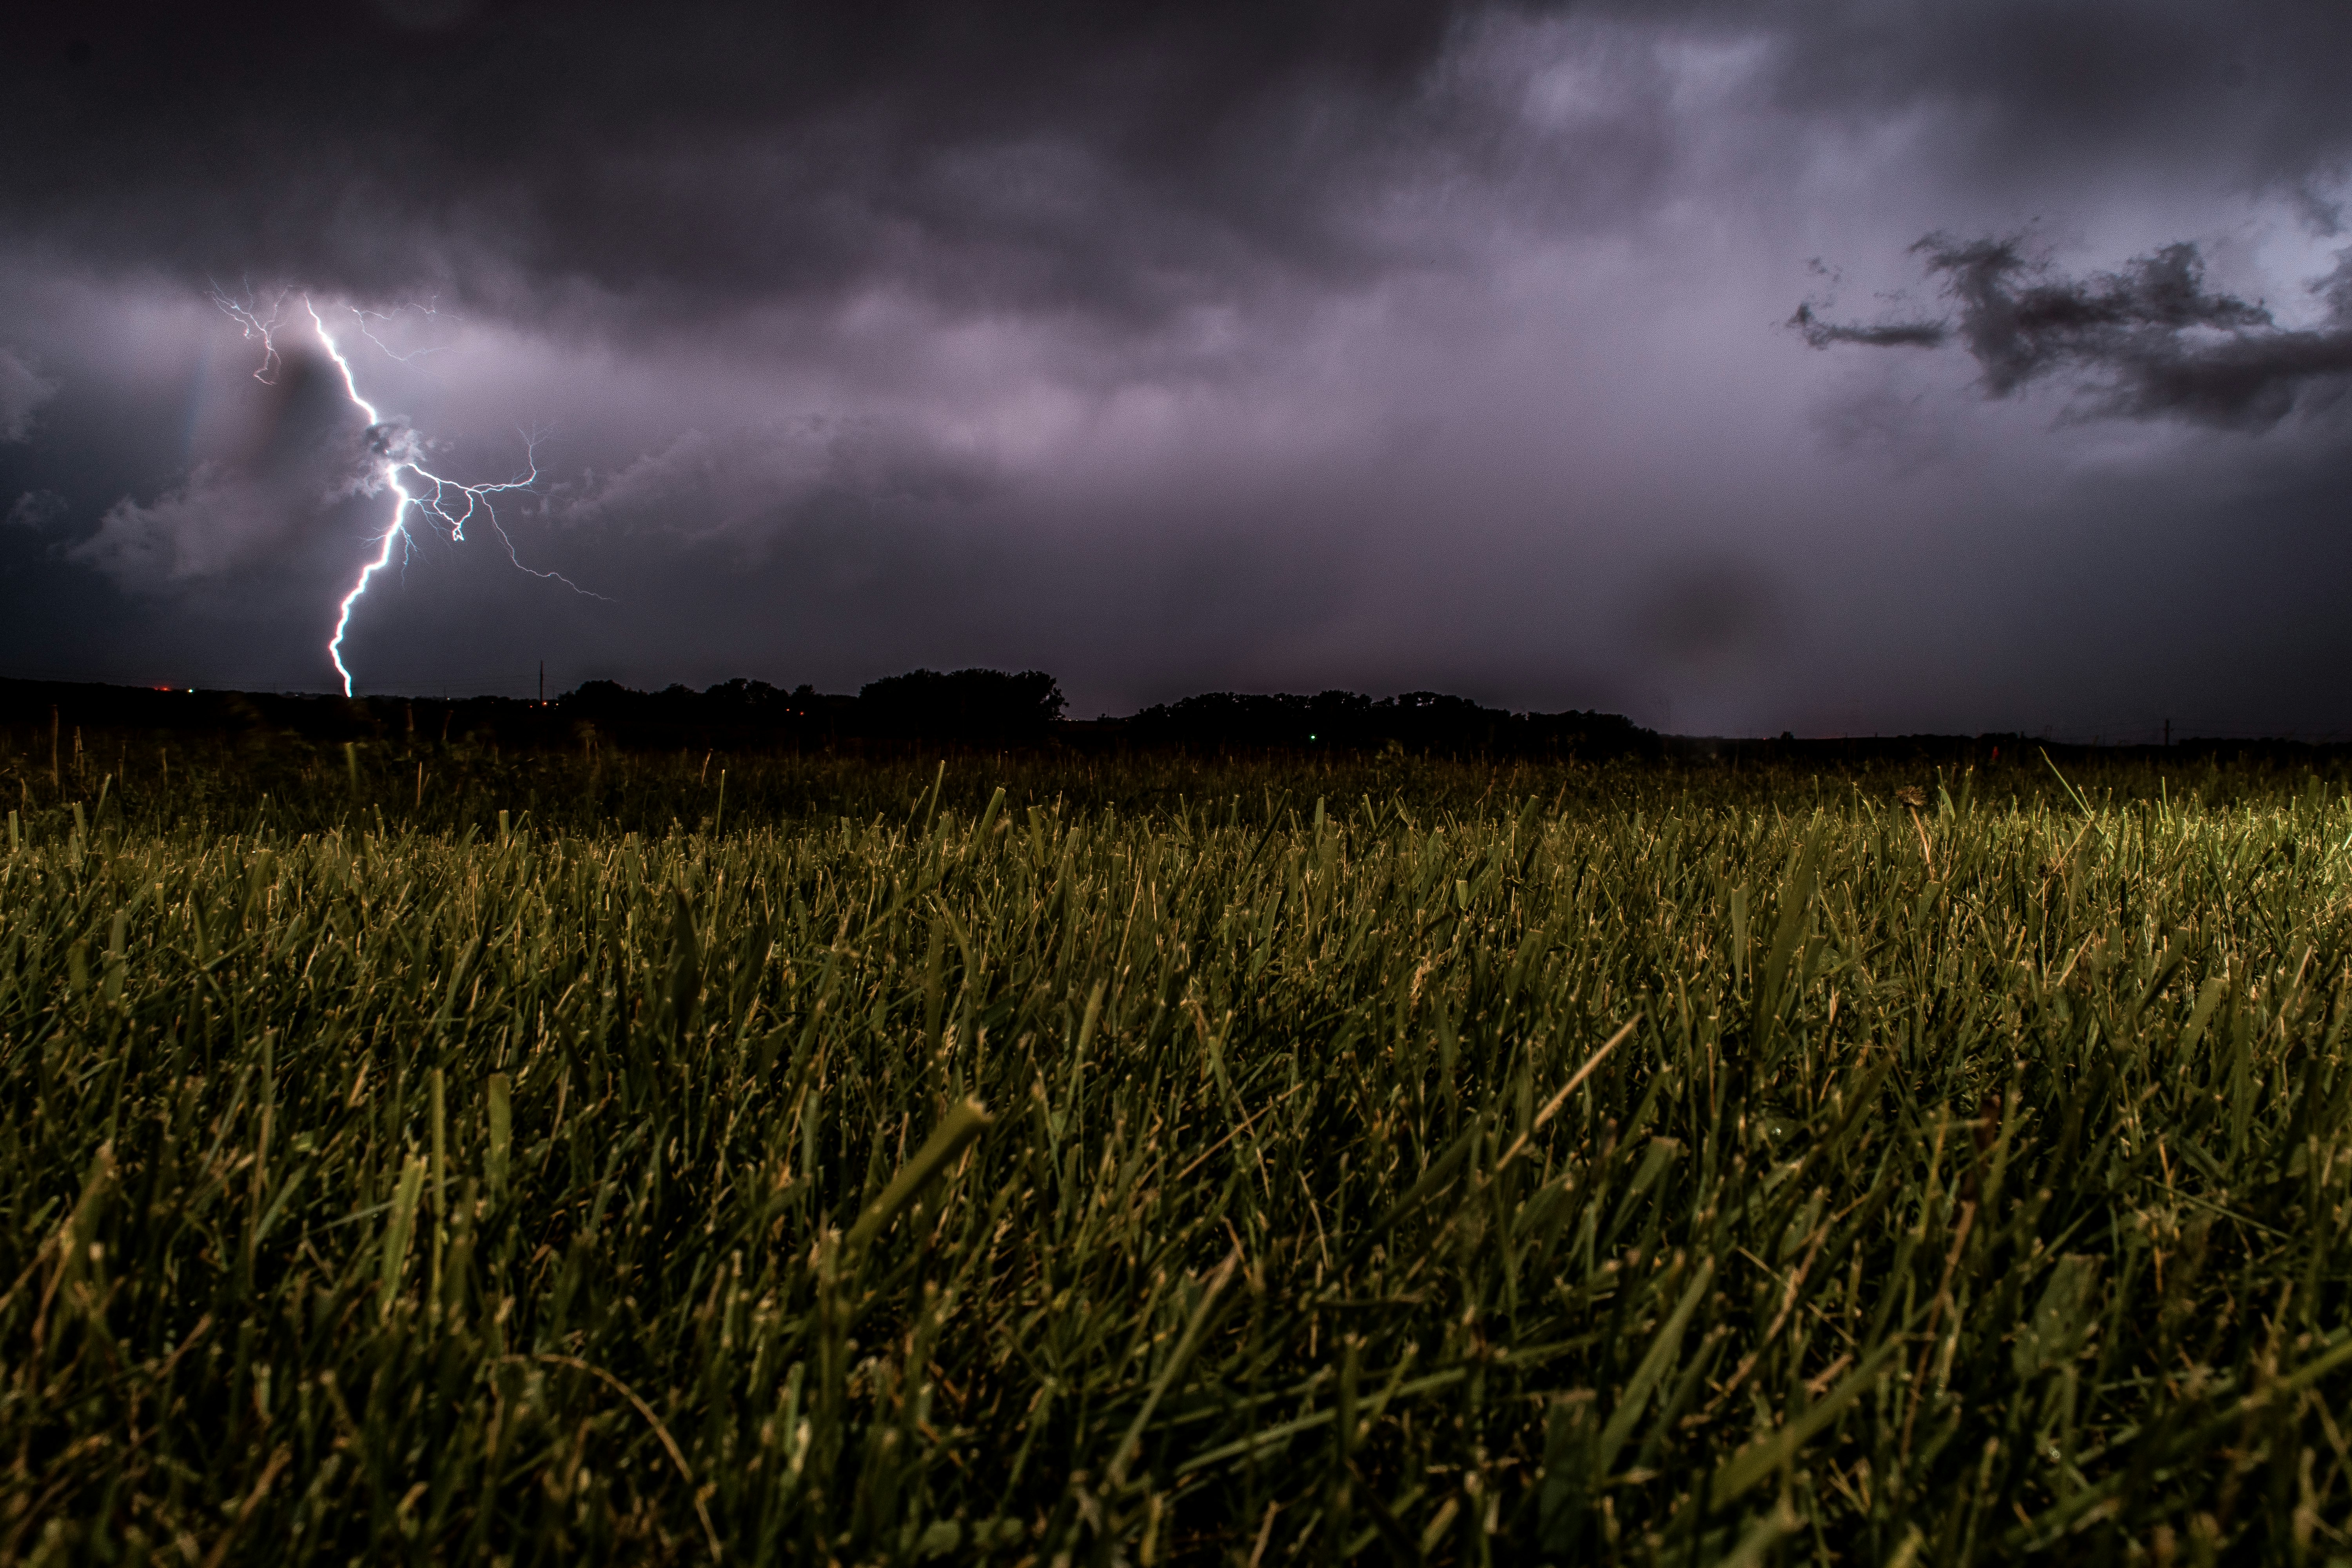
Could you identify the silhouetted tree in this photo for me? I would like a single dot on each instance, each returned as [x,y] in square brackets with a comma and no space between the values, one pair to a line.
[970,705]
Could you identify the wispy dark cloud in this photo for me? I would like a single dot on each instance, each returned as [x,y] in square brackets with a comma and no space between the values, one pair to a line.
[2150,338]
[23,390]
[1822,333]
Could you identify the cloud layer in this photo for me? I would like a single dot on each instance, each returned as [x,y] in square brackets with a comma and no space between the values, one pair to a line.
[1397,346]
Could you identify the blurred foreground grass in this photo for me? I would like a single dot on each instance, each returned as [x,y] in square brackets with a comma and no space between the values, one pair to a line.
[464,1157]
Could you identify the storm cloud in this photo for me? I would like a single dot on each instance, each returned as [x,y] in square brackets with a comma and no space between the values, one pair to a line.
[1397,346]
[2151,337]
[536,157]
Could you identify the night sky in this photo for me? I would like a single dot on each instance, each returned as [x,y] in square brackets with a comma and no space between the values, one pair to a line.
[1836,367]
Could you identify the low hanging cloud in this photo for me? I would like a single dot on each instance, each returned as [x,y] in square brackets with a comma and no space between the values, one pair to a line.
[291,492]
[219,522]
[745,488]
[23,391]
[37,509]
[2149,340]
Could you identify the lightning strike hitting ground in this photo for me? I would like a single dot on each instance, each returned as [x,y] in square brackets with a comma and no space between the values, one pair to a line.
[396,449]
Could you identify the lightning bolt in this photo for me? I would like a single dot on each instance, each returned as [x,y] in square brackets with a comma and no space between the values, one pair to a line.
[397,452]
[425,310]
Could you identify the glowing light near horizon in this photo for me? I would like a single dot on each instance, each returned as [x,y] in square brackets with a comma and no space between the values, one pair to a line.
[397,452]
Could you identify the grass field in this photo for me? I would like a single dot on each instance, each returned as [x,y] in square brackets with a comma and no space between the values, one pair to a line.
[460,1157]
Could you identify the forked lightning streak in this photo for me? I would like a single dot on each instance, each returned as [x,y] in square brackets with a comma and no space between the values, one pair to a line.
[397,452]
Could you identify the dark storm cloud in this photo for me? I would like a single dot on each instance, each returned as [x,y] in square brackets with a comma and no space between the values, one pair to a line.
[1120,160]
[2253,88]
[1109,156]
[1822,333]
[2151,338]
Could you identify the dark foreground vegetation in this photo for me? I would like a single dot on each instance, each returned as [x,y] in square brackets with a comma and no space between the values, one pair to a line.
[438,1152]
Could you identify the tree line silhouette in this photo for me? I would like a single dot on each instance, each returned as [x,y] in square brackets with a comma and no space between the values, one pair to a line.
[969,707]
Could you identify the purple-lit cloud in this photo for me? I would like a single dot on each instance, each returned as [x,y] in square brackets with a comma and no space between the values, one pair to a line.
[1395,346]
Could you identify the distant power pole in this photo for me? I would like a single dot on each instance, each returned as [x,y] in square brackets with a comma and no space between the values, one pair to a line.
[543,690]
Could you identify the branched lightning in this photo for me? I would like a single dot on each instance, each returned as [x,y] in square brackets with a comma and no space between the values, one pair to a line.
[251,319]
[425,310]
[397,454]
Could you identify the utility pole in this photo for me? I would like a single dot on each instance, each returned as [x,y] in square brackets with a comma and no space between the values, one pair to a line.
[543,686]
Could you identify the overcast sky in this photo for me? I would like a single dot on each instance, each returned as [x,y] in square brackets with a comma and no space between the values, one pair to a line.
[1199,345]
